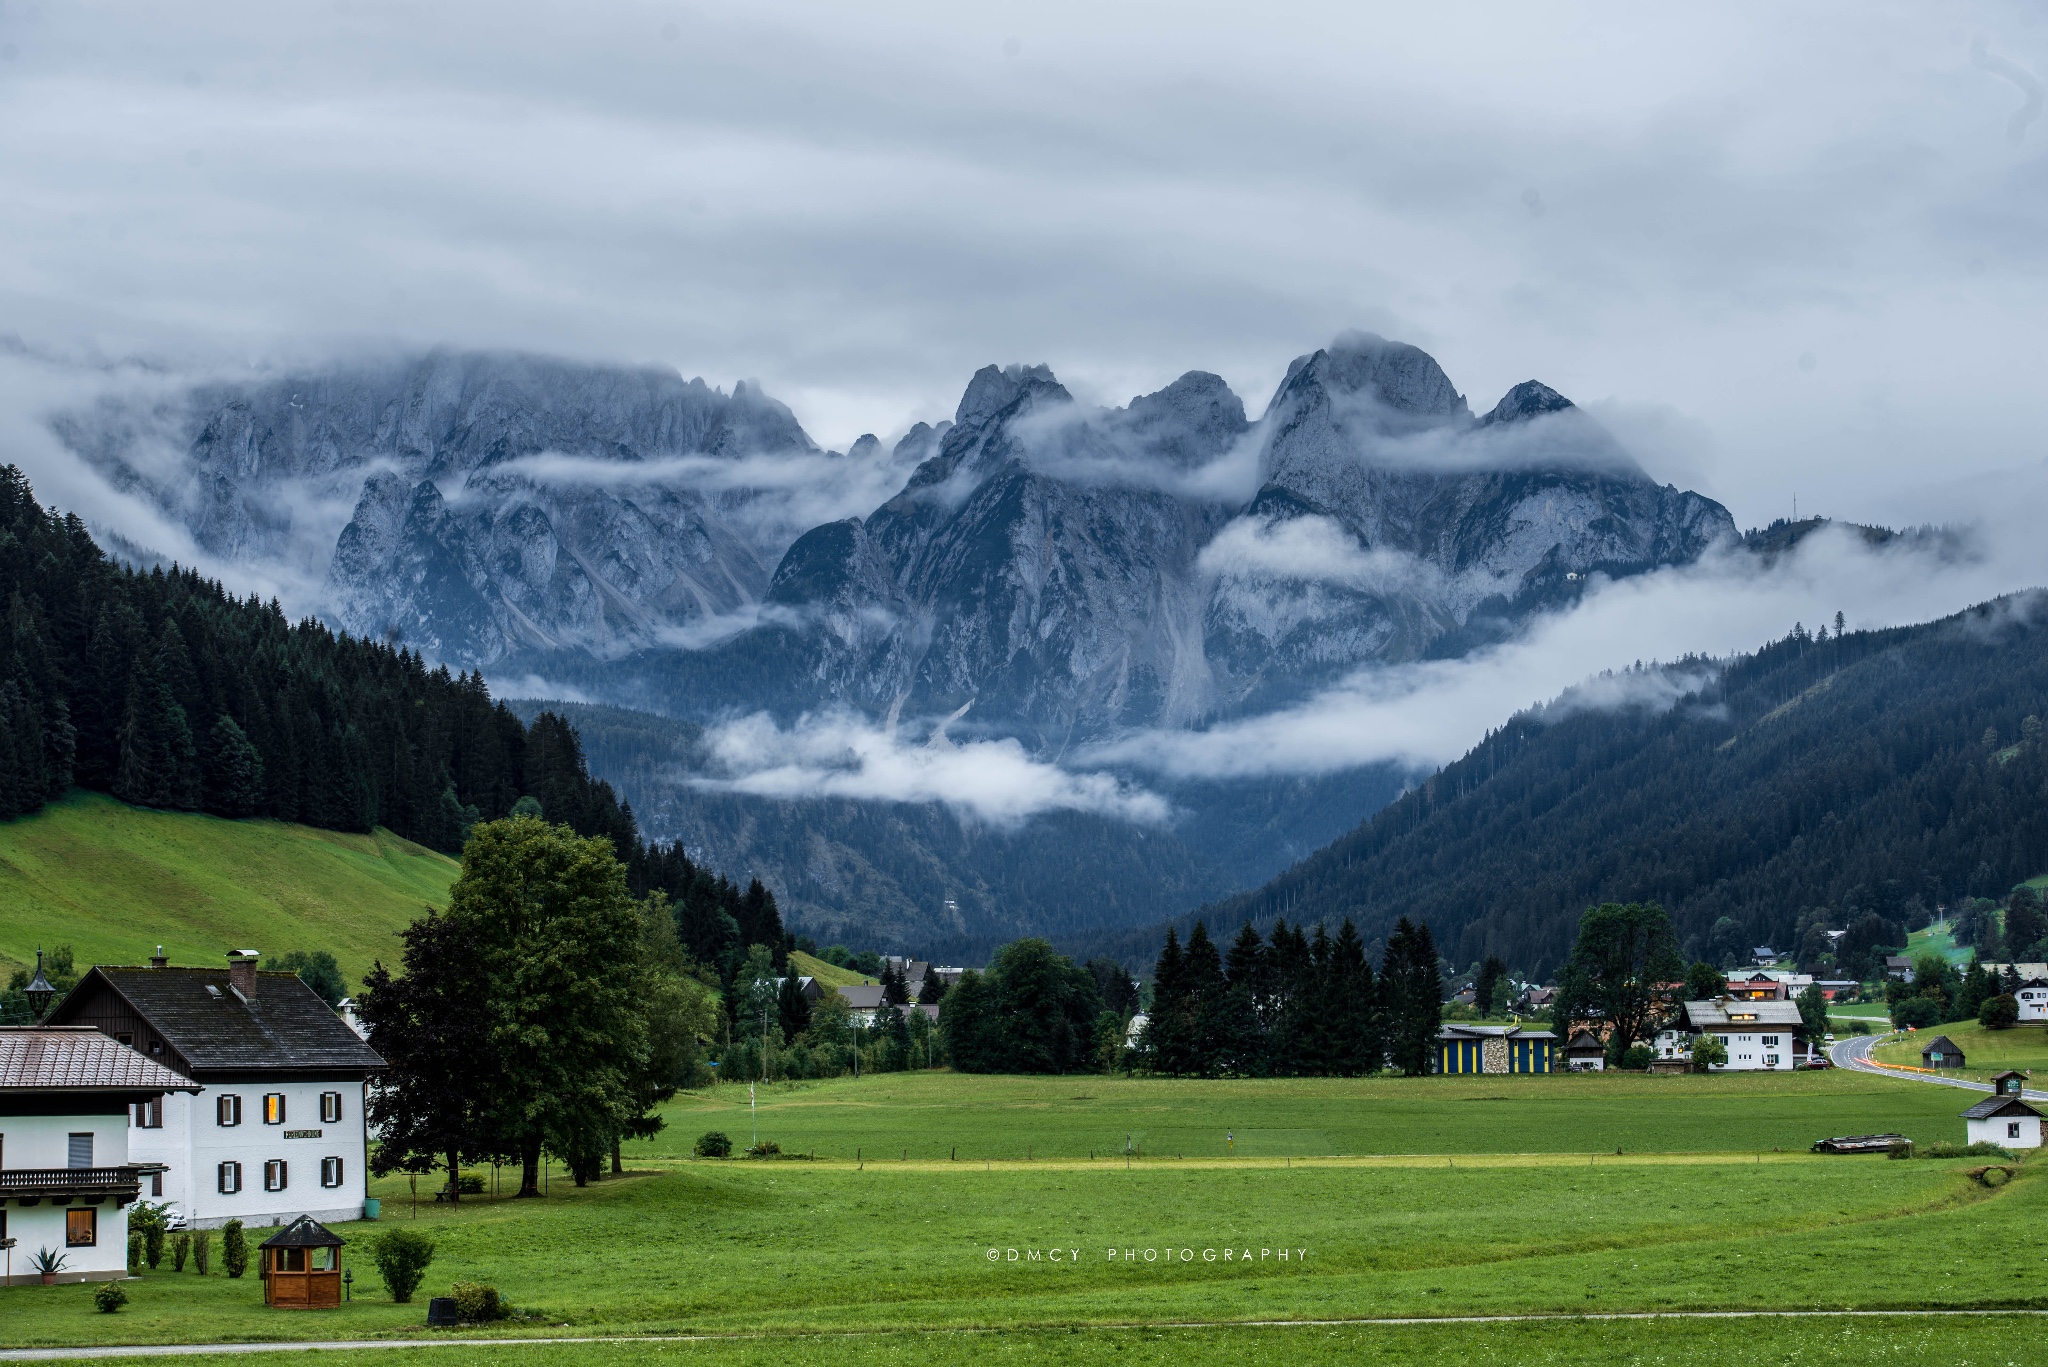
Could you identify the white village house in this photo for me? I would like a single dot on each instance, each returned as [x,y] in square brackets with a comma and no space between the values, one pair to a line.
[276,1128]
[2005,1117]
[66,1176]
[1759,1035]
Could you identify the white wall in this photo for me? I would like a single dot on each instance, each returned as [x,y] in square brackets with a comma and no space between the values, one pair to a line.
[1997,1131]
[2033,1003]
[1756,1050]
[194,1144]
[43,1141]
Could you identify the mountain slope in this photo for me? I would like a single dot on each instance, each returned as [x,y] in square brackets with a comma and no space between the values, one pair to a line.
[1814,778]
[115,881]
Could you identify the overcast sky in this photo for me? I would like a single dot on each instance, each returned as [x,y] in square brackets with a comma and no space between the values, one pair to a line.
[1778,249]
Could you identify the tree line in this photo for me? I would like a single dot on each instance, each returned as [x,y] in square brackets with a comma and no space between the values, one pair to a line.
[162,689]
[1828,779]
[1297,1005]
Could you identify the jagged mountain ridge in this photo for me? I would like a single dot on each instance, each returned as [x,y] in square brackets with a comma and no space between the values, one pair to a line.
[1065,573]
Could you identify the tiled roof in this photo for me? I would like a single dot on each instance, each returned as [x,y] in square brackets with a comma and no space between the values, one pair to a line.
[286,1026]
[43,1058]
[1721,1013]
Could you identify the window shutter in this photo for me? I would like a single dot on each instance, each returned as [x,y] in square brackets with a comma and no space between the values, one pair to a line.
[330,1107]
[79,1152]
[230,1178]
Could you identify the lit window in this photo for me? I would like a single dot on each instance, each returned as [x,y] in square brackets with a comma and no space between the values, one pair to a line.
[81,1227]
[273,1175]
[227,1110]
[230,1178]
[330,1107]
[330,1172]
[273,1108]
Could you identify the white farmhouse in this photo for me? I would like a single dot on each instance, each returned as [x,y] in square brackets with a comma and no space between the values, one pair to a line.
[2005,1117]
[66,1177]
[276,1129]
[1759,1035]
[2033,1000]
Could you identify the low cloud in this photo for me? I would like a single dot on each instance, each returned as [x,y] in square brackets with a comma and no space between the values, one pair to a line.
[1426,714]
[1312,548]
[848,757]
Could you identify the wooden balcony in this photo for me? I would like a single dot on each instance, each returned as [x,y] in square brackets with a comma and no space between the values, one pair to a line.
[27,1186]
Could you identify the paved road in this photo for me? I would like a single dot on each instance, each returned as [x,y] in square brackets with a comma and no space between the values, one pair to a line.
[1854,1053]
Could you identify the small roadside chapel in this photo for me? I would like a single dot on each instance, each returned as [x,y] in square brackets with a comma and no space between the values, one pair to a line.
[302,1266]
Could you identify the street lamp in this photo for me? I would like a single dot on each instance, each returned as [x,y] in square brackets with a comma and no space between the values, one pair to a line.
[348,1283]
[39,992]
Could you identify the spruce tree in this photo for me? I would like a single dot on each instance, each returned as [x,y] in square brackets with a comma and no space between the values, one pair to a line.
[234,771]
[1355,1047]
[1168,1029]
[1207,1025]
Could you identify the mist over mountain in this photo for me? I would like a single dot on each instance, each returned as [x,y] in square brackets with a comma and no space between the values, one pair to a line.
[1808,784]
[890,661]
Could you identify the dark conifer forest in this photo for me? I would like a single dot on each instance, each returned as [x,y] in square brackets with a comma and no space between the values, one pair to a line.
[164,690]
[1821,780]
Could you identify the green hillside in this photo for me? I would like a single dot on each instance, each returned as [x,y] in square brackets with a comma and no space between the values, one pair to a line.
[115,881]
[825,973]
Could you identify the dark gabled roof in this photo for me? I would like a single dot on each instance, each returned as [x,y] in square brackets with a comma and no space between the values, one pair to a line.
[304,1232]
[79,1058]
[1583,1040]
[1999,1105]
[1943,1043]
[287,1026]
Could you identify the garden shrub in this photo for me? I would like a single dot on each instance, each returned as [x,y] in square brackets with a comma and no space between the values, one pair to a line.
[1945,1148]
[714,1144]
[466,1185]
[767,1148]
[1917,1012]
[202,1252]
[478,1303]
[108,1297]
[1638,1058]
[2001,1012]
[402,1256]
[234,1249]
[181,1249]
[134,1251]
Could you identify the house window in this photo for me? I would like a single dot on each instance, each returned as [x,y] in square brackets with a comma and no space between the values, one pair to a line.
[230,1178]
[330,1107]
[227,1110]
[273,1108]
[1770,1041]
[149,1115]
[128,1040]
[81,1227]
[2012,1129]
[330,1172]
[156,1184]
[273,1175]
[78,1153]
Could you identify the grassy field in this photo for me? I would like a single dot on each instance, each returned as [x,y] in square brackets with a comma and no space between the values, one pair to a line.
[828,974]
[115,881]
[1504,1217]
[931,1115]
[1989,1051]
[1898,1341]
[1937,939]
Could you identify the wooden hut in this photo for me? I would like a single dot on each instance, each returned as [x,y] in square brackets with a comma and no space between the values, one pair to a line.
[1942,1052]
[301,1266]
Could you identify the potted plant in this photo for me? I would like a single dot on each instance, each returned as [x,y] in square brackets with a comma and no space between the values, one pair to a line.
[48,1263]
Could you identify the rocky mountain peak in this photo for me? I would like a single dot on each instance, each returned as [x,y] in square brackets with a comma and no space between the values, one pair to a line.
[867,446]
[993,389]
[1393,375]
[1529,399]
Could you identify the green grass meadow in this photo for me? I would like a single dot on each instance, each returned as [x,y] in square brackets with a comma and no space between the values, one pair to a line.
[114,881]
[1502,1203]
[1988,1051]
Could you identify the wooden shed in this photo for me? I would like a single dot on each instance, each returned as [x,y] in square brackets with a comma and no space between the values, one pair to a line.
[302,1266]
[1942,1052]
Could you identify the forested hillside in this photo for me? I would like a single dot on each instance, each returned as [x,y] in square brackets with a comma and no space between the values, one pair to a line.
[166,691]
[1818,780]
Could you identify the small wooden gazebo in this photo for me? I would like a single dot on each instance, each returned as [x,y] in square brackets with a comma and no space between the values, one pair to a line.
[302,1266]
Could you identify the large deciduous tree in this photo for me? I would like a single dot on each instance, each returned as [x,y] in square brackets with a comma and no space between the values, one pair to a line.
[558,938]
[1624,971]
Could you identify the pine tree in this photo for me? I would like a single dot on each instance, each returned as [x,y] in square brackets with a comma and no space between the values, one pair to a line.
[1206,1019]
[1356,1043]
[1168,1038]
[1411,995]
[234,771]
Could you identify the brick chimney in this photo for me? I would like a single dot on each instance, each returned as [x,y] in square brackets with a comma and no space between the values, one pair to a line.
[242,973]
[157,960]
